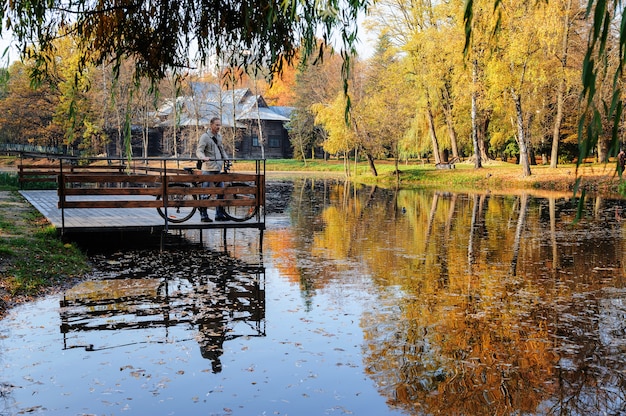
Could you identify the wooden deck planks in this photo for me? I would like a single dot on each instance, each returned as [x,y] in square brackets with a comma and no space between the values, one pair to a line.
[115,219]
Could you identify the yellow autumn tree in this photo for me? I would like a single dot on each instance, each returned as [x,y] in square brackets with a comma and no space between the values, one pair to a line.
[383,108]
[341,136]
[518,72]
[428,38]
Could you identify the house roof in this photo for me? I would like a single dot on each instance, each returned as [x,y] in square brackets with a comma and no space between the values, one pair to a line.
[187,119]
[283,111]
[262,113]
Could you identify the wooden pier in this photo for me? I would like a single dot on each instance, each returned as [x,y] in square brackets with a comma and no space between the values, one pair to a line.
[118,219]
[99,197]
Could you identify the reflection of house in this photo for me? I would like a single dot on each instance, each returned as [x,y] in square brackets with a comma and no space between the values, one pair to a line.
[250,126]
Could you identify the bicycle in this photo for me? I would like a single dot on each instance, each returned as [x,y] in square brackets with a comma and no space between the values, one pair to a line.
[178,211]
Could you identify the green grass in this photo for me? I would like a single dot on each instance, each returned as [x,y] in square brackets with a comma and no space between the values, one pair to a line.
[33,256]
[493,174]
[292,165]
[41,261]
[412,173]
[8,181]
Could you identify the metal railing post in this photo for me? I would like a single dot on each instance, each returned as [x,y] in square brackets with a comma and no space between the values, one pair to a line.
[164,192]
[61,192]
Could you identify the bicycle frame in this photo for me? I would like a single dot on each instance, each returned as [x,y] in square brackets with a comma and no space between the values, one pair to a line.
[240,199]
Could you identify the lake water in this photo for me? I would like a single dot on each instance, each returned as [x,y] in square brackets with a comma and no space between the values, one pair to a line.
[355,300]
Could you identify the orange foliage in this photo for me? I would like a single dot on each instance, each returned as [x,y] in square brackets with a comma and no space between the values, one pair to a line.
[281,244]
[282,90]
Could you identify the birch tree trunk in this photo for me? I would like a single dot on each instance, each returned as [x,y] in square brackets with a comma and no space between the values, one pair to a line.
[524,160]
[477,160]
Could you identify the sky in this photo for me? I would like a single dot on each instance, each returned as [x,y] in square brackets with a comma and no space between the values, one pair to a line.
[4,43]
[366,45]
[367,39]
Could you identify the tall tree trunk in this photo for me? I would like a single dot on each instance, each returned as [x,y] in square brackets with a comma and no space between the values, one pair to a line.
[532,156]
[521,137]
[446,102]
[544,154]
[482,140]
[477,160]
[431,129]
[396,163]
[603,149]
[558,120]
[370,163]
[560,93]
[301,148]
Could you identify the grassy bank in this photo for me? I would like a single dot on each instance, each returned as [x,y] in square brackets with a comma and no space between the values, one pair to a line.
[493,175]
[32,257]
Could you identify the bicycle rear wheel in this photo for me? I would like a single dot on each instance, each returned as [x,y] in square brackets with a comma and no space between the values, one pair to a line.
[175,212]
[245,212]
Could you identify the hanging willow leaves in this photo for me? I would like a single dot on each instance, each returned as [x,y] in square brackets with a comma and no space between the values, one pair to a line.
[158,35]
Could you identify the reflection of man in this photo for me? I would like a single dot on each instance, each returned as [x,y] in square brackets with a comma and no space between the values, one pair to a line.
[212,321]
[212,348]
[211,151]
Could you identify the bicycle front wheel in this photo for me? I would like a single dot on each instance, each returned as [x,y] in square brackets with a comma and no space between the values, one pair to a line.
[240,213]
[175,211]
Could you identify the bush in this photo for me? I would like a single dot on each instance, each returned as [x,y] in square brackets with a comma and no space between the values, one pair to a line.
[8,181]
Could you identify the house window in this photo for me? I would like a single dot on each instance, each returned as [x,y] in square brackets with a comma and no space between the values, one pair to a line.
[274,141]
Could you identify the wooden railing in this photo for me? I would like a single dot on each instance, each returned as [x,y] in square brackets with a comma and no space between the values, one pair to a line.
[39,174]
[142,186]
[142,190]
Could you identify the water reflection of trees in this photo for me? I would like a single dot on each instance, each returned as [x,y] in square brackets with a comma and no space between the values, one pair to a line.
[504,304]
[218,296]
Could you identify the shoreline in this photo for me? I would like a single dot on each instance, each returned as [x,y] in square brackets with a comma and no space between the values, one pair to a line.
[494,175]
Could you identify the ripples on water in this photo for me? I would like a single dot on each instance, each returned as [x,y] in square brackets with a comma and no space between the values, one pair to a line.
[355,300]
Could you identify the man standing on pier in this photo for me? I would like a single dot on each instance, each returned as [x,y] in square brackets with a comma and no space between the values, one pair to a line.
[211,152]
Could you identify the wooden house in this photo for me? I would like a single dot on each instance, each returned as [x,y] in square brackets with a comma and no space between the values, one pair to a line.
[250,128]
